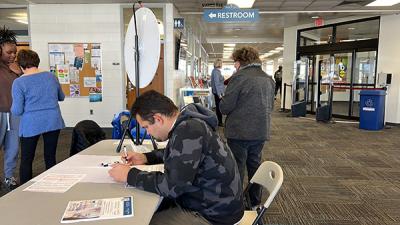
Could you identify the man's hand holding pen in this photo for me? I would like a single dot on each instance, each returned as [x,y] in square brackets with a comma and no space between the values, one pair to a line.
[119,171]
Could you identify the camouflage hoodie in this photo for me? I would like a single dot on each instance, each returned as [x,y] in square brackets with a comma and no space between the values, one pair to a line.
[200,171]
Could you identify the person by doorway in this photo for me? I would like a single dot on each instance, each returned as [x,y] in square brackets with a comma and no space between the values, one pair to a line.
[278,81]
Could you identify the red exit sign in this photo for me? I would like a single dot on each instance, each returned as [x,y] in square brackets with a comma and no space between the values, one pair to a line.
[319,22]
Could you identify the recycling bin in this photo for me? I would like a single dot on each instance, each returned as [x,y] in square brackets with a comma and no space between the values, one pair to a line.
[372,109]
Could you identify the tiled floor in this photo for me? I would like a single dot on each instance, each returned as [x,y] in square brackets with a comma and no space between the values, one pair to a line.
[334,173]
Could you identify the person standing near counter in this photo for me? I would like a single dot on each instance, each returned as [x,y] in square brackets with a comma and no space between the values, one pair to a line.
[9,122]
[217,87]
[248,103]
[35,98]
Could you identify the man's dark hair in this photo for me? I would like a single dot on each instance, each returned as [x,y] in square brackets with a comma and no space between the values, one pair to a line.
[152,102]
[246,55]
[6,36]
[28,59]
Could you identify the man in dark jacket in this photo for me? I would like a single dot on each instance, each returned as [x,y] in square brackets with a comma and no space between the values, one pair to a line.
[248,103]
[201,174]
[278,81]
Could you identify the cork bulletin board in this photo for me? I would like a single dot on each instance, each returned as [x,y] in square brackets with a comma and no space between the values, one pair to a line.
[78,69]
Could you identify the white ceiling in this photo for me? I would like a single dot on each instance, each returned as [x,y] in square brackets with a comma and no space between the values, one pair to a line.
[275,15]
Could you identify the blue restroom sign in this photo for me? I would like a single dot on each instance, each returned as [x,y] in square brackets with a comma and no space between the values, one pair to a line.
[179,23]
[230,14]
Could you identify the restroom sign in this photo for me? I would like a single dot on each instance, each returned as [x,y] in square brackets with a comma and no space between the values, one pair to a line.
[230,14]
[179,23]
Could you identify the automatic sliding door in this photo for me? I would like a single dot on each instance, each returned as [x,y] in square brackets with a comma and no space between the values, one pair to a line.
[364,77]
[342,84]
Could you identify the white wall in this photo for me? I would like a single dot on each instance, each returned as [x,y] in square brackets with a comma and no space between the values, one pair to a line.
[98,23]
[388,62]
[173,79]
[83,23]
[289,56]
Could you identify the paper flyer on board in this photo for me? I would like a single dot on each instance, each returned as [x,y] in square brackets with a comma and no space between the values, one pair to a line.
[98,209]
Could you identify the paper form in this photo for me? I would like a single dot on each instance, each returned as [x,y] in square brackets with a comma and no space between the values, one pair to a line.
[57,183]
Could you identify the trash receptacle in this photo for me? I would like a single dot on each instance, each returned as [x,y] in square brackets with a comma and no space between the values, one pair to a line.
[372,109]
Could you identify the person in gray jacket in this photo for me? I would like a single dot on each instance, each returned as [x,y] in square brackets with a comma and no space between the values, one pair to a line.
[200,173]
[248,103]
[217,87]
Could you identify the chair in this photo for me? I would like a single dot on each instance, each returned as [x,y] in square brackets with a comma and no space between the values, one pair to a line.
[270,176]
[85,134]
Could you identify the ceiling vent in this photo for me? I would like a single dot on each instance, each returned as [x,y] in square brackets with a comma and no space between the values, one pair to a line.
[212,5]
[355,2]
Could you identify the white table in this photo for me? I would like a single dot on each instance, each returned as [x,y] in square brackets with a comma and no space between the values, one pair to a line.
[33,208]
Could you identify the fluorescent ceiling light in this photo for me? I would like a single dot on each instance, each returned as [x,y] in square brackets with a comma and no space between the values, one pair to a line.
[229,45]
[314,17]
[384,3]
[242,3]
[279,48]
[274,51]
[22,21]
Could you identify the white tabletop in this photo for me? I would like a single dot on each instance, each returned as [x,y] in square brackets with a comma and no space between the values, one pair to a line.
[34,208]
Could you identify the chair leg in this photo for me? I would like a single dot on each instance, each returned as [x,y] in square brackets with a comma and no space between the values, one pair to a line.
[258,220]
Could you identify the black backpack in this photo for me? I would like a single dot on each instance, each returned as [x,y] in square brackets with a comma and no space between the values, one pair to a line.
[85,134]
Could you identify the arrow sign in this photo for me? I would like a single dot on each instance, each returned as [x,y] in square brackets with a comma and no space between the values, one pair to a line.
[212,15]
[229,15]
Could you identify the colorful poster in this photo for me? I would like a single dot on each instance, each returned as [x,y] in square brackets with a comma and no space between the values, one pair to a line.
[99,78]
[95,94]
[62,72]
[78,49]
[74,90]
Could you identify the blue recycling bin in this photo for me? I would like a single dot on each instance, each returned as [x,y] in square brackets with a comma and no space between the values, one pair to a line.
[372,109]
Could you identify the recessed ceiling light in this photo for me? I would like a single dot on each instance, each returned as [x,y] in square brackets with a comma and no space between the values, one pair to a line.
[242,3]
[384,3]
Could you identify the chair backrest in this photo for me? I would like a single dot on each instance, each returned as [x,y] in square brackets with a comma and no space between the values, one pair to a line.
[270,176]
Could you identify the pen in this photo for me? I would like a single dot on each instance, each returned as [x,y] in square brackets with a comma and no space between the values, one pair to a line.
[108,164]
[126,155]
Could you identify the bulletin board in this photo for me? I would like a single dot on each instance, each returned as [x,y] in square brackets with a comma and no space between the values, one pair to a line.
[78,69]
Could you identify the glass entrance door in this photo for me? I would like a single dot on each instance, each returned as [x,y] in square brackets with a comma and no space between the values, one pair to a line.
[353,71]
[342,82]
[364,76]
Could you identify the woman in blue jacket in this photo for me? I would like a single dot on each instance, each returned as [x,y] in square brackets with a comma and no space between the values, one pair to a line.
[35,98]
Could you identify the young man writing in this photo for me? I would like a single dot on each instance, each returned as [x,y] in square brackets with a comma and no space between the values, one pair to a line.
[201,176]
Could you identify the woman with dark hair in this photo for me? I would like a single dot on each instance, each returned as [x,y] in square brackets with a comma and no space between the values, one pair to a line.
[9,122]
[35,99]
[248,103]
